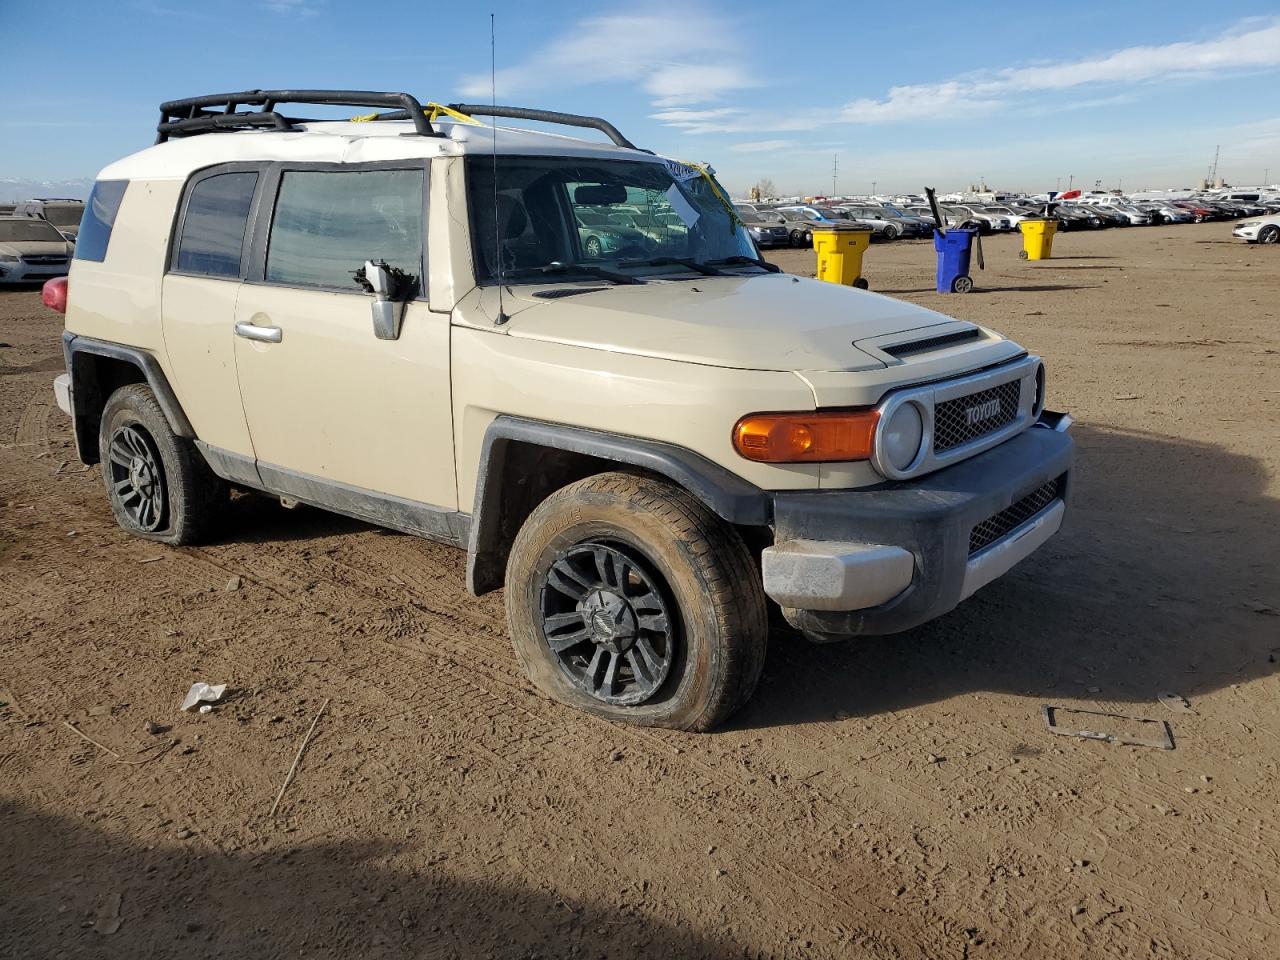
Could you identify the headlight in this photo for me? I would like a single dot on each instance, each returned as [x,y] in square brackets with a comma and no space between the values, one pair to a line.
[1038,407]
[901,436]
[8,258]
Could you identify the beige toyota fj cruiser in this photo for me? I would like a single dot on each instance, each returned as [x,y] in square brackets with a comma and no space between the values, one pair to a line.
[564,356]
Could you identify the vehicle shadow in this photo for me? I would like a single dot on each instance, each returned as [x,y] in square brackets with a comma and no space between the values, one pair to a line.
[1053,264]
[61,877]
[981,288]
[260,518]
[1153,585]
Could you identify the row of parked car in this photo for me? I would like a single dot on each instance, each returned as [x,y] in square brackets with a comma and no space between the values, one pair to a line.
[907,217]
[37,238]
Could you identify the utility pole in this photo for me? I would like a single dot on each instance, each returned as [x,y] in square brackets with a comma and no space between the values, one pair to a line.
[1071,178]
[1213,171]
[873,188]
[835,172]
[1266,177]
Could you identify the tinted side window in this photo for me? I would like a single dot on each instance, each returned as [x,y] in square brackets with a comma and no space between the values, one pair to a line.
[99,217]
[213,229]
[327,224]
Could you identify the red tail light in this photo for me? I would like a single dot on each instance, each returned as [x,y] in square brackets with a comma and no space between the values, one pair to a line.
[54,294]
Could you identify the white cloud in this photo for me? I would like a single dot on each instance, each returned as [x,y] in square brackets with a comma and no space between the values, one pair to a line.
[687,59]
[1250,45]
[295,8]
[762,146]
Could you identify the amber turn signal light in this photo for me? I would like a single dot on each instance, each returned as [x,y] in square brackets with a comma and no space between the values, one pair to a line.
[822,437]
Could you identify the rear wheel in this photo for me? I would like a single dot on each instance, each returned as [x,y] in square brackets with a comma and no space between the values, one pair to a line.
[861,283]
[593,248]
[629,599]
[1022,254]
[159,486]
[962,284]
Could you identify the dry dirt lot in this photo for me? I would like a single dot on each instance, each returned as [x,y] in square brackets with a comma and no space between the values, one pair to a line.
[893,797]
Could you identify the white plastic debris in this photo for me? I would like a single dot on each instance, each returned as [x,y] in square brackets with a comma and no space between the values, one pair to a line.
[203,692]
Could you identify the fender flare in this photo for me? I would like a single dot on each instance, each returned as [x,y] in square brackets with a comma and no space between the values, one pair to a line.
[732,498]
[85,391]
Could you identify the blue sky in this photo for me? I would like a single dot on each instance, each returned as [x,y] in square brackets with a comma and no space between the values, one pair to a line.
[906,94]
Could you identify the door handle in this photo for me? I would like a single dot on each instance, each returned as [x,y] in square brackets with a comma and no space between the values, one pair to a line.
[251,331]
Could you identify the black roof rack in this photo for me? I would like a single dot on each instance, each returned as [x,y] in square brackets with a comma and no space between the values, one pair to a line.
[217,111]
[545,116]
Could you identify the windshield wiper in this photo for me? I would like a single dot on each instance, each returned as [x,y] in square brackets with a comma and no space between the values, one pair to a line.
[590,270]
[745,261]
[703,268]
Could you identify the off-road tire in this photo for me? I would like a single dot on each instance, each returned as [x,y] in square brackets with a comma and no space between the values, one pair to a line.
[713,591]
[194,496]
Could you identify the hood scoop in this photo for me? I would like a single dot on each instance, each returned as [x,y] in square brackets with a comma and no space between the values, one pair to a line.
[910,348]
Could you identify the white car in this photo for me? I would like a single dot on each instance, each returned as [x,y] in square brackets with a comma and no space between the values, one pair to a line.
[32,250]
[1259,229]
[1165,212]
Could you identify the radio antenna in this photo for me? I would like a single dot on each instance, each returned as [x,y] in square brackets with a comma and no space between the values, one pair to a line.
[493,123]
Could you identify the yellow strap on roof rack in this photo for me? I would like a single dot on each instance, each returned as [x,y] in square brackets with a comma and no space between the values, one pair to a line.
[705,171]
[433,111]
[439,108]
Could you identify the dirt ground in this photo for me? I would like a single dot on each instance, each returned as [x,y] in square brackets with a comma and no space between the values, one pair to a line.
[890,797]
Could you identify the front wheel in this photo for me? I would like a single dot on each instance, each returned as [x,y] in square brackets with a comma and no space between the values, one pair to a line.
[627,598]
[593,248]
[159,486]
[1269,234]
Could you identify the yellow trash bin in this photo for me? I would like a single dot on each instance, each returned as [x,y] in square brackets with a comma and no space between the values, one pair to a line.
[839,253]
[1037,239]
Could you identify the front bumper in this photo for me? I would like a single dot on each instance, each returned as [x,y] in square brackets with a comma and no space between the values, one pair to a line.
[23,272]
[883,560]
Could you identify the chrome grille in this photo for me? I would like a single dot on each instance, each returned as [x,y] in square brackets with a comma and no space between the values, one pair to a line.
[41,259]
[967,418]
[1010,518]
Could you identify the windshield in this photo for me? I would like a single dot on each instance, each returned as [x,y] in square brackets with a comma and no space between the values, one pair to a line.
[29,230]
[64,215]
[557,216]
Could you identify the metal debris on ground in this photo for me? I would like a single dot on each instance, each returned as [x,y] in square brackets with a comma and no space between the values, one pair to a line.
[203,692]
[1175,702]
[1161,738]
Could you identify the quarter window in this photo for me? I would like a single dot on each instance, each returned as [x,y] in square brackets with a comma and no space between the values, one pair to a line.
[214,227]
[328,223]
[99,217]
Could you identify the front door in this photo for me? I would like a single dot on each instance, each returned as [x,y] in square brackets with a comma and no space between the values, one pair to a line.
[334,412]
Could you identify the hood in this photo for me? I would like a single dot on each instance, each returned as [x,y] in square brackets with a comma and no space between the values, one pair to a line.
[29,248]
[770,322]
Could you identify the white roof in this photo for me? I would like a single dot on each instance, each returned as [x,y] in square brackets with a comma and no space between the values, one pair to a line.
[343,141]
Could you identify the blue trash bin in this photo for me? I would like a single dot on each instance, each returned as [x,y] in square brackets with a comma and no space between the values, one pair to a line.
[954,250]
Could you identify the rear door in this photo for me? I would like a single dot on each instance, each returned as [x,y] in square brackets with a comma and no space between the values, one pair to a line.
[207,262]
[334,412]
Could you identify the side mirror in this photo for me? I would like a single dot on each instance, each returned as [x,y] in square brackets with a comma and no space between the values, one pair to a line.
[390,288]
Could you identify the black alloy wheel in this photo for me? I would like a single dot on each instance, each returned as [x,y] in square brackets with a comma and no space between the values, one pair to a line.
[137,477]
[606,621]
